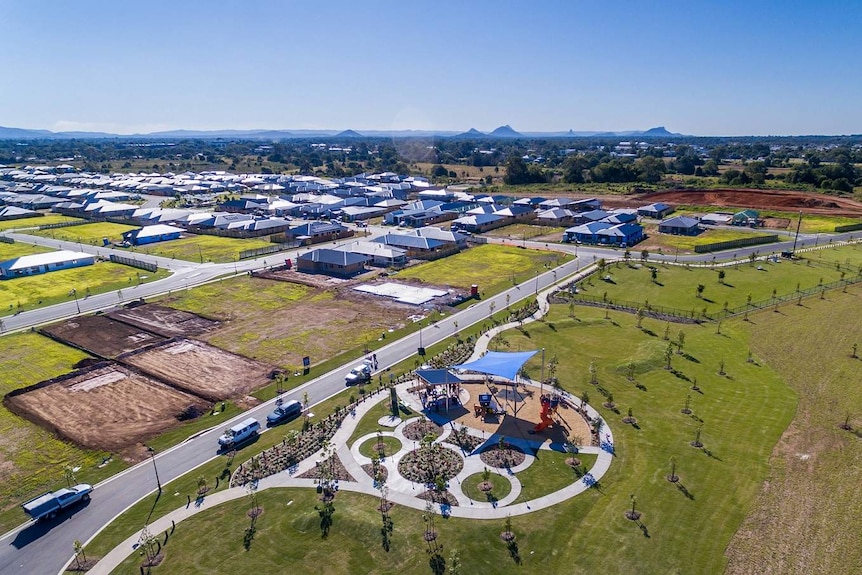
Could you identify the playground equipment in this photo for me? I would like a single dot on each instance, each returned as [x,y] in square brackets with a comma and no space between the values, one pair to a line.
[550,404]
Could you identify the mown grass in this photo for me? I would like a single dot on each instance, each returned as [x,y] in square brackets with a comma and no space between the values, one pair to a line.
[24,223]
[686,244]
[676,286]
[491,267]
[392,446]
[204,248]
[28,292]
[32,460]
[527,232]
[846,255]
[16,250]
[549,473]
[91,234]
[501,487]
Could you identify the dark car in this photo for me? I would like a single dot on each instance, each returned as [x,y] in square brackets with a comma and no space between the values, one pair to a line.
[284,412]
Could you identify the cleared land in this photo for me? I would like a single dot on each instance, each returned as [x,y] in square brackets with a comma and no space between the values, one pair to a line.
[528,232]
[201,369]
[491,267]
[56,287]
[101,336]
[203,248]
[108,407]
[164,321]
[87,233]
[34,222]
[280,322]
[792,201]
[805,512]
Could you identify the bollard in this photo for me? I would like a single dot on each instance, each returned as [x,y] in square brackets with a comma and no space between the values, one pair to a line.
[173,526]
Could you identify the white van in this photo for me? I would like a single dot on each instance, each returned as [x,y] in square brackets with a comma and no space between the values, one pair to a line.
[239,432]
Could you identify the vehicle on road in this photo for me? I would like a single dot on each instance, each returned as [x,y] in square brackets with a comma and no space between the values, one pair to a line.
[359,374]
[48,505]
[284,412]
[240,432]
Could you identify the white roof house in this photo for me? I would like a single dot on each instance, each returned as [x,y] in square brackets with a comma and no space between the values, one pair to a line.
[40,263]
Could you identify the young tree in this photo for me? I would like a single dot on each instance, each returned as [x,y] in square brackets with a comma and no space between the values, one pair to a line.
[700,288]
[79,554]
[668,355]
[673,477]
[680,341]
[721,275]
[640,317]
[654,274]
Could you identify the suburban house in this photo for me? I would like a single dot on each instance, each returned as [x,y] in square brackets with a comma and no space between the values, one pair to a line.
[42,263]
[585,205]
[452,236]
[419,247]
[716,219]
[680,226]
[656,211]
[316,232]
[622,217]
[378,254]
[331,262]
[590,216]
[478,223]
[750,218]
[622,235]
[15,213]
[152,234]
[556,203]
[422,213]
[517,213]
[556,217]
[358,213]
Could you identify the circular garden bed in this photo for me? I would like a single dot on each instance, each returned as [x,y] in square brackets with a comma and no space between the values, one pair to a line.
[503,457]
[417,430]
[474,487]
[428,463]
[385,447]
[369,469]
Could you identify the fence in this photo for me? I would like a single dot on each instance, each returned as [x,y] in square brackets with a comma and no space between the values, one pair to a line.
[140,264]
[731,244]
[848,228]
[5,240]
[245,254]
[64,224]
[239,234]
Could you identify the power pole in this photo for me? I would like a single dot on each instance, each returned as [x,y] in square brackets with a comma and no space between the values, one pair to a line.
[796,238]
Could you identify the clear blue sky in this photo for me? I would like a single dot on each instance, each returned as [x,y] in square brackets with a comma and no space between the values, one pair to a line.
[699,67]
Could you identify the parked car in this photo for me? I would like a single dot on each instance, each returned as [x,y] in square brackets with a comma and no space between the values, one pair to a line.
[284,412]
[246,429]
[359,374]
[46,506]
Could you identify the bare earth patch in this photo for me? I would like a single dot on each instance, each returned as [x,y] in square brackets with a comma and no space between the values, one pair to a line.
[101,335]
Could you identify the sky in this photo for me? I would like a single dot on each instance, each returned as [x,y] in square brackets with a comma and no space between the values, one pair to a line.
[701,67]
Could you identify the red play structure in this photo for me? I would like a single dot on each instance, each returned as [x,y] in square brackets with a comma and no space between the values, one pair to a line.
[549,405]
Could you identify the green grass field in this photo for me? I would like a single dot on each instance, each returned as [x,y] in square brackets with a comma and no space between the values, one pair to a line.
[91,234]
[24,223]
[501,487]
[16,250]
[32,460]
[527,232]
[676,286]
[850,255]
[203,248]
[30,292]
[685,244]
[811,224]
[491,267]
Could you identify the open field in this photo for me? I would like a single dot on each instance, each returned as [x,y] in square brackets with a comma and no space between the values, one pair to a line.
[201,369]
[781,220]
[202,248]
[34,222]
[91,234]
[100,335]
[491,267]
[800,523]
[107,407]
[280,322]
[685,244]
[676,286]
[16,250]
[29,292]
[528,232]
[31,458]
[849,255]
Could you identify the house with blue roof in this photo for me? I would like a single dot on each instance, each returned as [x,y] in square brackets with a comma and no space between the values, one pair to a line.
[656,211]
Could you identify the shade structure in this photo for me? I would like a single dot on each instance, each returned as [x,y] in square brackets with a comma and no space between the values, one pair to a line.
[500,363]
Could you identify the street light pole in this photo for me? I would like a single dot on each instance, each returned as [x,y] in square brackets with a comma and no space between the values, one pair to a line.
[537,282]
[156,469]
[77,305]
[798,225]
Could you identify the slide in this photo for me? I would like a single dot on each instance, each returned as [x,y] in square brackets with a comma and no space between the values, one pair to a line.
[544,415]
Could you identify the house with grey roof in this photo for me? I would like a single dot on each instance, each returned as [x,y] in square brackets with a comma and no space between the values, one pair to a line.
[331,262]
[680,226]
[656,211]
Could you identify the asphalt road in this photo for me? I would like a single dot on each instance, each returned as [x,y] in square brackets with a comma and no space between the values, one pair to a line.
[45,548]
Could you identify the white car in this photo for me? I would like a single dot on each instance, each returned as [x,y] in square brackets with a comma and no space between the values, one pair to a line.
[359,374]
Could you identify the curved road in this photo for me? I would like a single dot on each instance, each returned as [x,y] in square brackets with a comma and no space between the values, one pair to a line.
[45,548]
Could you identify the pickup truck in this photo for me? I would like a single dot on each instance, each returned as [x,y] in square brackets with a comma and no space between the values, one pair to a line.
[359,374]
[48,505]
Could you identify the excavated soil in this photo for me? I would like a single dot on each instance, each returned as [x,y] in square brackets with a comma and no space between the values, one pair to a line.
[164,321]
[101,336]
[807,202]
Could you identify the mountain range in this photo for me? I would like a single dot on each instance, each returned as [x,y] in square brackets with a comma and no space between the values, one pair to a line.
[502,132]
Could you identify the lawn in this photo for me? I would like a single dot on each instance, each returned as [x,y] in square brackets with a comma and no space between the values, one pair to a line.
[670,243]
[91,234]
[32,460]
[549,473]
[501,487]
[392,446]
[29,292]
[491,267]
[35,222]
[845,255]
[676,286]
[204,248]
[18,249]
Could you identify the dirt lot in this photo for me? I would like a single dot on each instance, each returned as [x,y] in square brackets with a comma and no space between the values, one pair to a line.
[807,202]
[101,336]
[201,369]
[109,407]
[164,321]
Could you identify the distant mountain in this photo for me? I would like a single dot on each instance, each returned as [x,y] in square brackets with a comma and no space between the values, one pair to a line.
[470,134]
[348,134]
[505,132]
[20,133]
[660,132]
